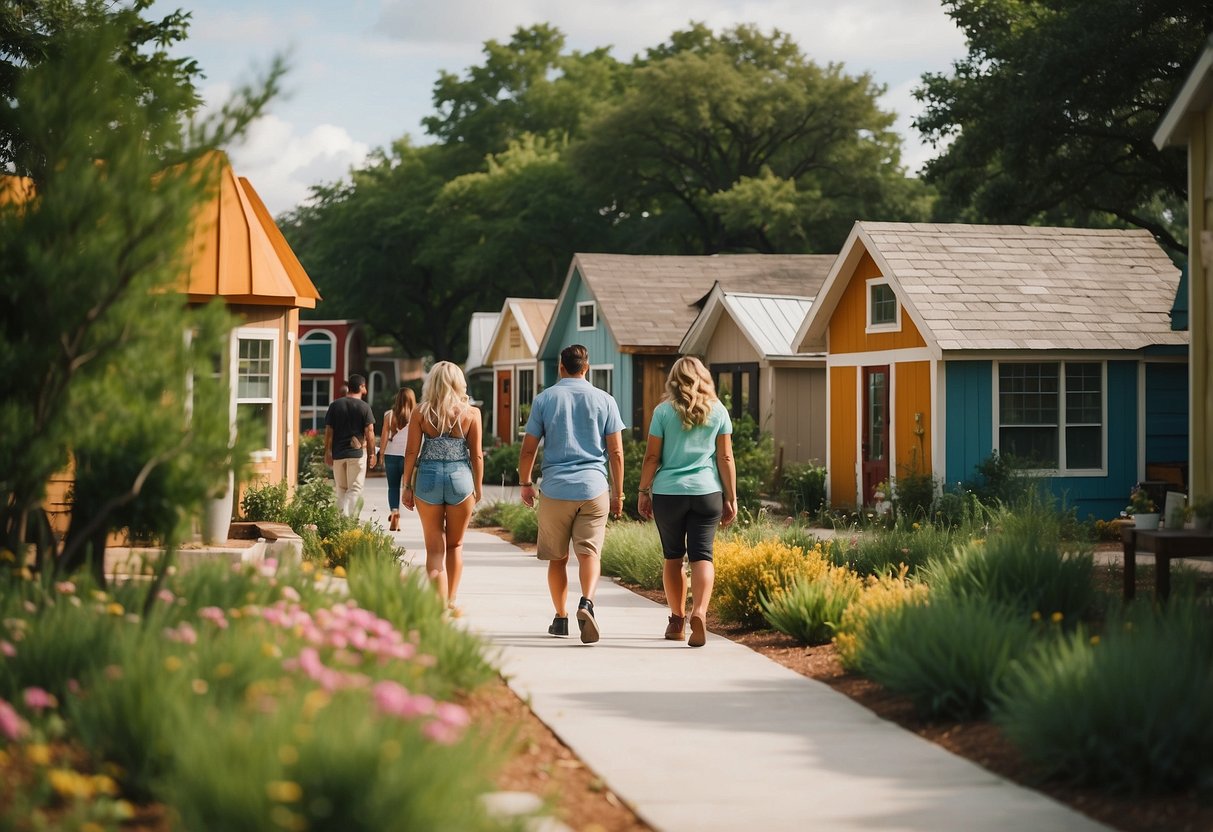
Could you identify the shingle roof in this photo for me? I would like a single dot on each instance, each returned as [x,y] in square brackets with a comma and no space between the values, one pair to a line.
[981,287]
[648,300]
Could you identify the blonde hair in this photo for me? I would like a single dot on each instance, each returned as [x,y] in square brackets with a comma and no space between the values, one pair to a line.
[689,389]
[402,409]
[444,396]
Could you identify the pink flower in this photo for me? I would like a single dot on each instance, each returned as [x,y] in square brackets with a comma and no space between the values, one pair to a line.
[183,633]
[37,699]
[390,697]
[440,732]
[65,587]
[451,714]
[7,649]
[166,596]
[290,593]
[215,615]
[12,726]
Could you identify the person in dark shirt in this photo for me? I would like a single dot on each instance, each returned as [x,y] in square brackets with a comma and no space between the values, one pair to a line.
[349,432]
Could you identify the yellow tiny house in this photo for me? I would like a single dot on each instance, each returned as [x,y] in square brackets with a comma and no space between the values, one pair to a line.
[512,352]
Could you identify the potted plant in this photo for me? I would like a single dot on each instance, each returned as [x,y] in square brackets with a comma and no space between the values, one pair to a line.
[1202,513]
[1145,515]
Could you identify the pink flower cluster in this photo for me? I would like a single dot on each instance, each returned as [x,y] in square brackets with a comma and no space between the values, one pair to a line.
[446,720]
[214,614]
[183,633]
[37,699]
[344,626]
[310,664]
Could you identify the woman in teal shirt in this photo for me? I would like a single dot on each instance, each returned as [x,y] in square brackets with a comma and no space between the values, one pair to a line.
[689,485]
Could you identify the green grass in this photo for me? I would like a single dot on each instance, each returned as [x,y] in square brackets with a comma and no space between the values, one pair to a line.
[632,552]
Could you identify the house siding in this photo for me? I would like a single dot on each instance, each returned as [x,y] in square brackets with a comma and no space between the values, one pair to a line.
[849,321]
[599,341]
[1166,413]
[912,436]
[970,418]
[799,414]
[844,424]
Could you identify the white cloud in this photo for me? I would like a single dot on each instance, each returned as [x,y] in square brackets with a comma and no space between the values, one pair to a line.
[282,164]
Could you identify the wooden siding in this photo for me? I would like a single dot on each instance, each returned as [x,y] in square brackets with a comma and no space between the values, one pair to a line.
[912,417]
[728,344]
[602,347]
[849,320]
[969,417]
[509,346]
[1200,299]
[799,413]
[844,423]
[1166,413]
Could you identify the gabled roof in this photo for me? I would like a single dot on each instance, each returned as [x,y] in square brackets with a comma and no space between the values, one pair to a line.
[1194,96]
[649,301]
[238,253]
[531,315]
[769,322]
[480,336]
[1004,287]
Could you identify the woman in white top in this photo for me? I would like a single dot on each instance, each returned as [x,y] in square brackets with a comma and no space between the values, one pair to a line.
[391,449]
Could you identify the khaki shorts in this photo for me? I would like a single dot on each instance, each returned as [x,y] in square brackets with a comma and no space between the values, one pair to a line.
[580,522]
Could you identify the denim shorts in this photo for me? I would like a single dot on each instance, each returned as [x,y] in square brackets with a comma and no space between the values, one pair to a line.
[442,481]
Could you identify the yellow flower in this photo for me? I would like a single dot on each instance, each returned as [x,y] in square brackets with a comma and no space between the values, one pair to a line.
[172,664]
[270,651]
[339,571]
[104,785]
[114,608]
[234,613]
[1056,617]
[68,783]
[224,669]
[7,556]
[1036,615]
[1094,640]
[307,567]
[288,755]
[284,791]
[123,810]
[915,526]
[199,686]
[314,701]
[38,753]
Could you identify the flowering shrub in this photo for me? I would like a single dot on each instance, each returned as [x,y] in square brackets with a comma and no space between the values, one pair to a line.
[1140,502]
[748,573]
[881,594]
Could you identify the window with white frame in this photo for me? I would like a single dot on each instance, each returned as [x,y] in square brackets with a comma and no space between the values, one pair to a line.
[255,387]
[587,315]
[316,395]
[602,377]
[883,311]
[1051,415]
[318,352]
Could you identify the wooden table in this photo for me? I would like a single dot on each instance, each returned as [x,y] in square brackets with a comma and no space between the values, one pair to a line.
[1165,545]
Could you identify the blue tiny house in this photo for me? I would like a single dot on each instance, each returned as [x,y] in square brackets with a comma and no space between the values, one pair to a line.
[632,311]
[946,343]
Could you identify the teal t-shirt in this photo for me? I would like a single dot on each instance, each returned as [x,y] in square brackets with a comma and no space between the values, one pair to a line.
[688,457]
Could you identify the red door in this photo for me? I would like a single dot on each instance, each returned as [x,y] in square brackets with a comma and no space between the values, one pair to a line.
[875,417]
[505,421]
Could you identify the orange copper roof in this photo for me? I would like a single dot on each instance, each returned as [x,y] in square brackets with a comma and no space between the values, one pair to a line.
[236,249]
[239,254]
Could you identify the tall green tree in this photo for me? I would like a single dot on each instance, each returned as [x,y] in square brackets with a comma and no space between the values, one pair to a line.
[102,361]
[1050,115]
[739,142]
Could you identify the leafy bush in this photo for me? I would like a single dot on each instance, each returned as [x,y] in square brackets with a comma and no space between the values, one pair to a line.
[883,550]
[1023,565]
[754,455]
[1002,480]
[364,540]
[1131,710]
[746,574]
[501,464]
[311,457]
[632,552]
[914,496]
[633,461]
[947,655]
[803,488]
[521,522]
[488,514]
[810,611]
[266,503]
[881,595]
[315,504]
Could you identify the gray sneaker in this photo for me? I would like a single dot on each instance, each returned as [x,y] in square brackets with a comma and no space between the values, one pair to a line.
[586,621]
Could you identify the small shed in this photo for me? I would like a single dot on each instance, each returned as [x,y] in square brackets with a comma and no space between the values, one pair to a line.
[746,340]
[512,350]
[329,351]
[632,311]
[946,343]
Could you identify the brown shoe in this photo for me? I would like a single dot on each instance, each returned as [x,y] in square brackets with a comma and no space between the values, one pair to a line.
[676,629]
[699,632]
[394,523]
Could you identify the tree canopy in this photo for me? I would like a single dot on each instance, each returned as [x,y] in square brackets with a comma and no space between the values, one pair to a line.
[730,142]
[1050,116]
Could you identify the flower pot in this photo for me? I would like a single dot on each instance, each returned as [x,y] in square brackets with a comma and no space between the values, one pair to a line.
[1146,522]
[218,517]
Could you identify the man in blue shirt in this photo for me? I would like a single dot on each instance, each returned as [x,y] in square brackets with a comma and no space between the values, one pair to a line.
[582,435]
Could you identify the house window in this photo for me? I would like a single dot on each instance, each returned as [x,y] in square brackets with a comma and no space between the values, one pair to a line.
[526,386]
[883,309]
[255,375]
[318,352]
[316,396]
[737,387]
[587,315]
[1051,414]
[602,377]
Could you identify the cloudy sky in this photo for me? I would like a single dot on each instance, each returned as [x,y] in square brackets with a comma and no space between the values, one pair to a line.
[362,71]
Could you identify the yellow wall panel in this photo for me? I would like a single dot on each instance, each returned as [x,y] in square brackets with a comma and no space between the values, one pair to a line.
[849,320]
[844,422]
[912,417]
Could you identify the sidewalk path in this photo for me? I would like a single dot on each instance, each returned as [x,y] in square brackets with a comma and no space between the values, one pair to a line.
[717,738]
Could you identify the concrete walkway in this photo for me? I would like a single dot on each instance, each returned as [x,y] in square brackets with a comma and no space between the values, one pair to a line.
[716,738]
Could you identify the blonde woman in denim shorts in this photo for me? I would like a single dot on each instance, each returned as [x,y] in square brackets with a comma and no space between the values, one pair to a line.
[444,449]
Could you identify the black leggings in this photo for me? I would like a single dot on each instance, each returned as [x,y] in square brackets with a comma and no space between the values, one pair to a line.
[687,524]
